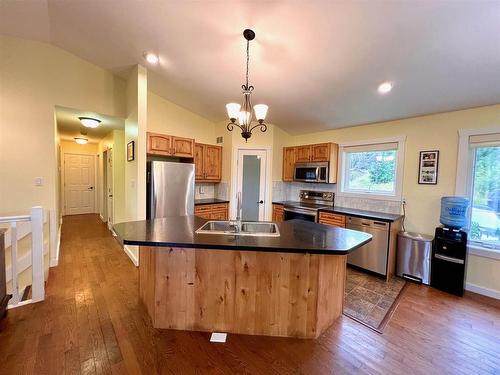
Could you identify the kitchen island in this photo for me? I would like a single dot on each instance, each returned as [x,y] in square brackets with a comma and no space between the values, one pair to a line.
[288,285]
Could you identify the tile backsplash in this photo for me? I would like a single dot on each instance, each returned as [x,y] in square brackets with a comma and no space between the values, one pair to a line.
[204,190]
[283,191]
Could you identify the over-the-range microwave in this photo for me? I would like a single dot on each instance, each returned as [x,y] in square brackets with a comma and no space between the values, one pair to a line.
[312,172]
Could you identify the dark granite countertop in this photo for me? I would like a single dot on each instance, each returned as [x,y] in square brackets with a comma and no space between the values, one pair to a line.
[296,236]
[199,202]
[382,216]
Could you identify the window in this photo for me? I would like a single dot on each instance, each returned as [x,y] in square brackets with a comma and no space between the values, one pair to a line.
[485,193]
[373,169]
[478,178]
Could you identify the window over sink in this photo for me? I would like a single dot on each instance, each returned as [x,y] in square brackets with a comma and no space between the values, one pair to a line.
[372,169]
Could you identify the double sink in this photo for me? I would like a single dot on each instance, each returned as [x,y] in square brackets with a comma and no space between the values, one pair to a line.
[244,228]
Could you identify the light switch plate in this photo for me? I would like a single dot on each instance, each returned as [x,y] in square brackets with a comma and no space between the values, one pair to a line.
[38,181]
[218,337]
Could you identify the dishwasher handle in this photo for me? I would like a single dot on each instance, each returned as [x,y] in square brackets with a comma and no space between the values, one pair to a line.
[363,222]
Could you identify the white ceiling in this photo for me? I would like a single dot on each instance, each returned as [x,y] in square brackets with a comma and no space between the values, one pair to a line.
[316,64]
[69,126]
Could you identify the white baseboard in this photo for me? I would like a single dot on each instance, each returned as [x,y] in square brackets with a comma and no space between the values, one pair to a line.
[102,218]
[483,291]
[131,255]
[55,261]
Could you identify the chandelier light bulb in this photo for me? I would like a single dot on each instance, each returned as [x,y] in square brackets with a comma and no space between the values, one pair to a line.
[244,118]
[260,111]
[233,110]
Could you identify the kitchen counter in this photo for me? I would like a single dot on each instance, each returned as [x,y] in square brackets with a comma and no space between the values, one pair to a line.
[200,202]
[382,216]
[296,236]
[291,285]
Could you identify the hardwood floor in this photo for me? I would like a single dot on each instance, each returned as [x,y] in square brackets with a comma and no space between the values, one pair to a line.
[92,323]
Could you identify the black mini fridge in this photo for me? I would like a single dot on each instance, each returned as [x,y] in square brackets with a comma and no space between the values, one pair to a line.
[448,264]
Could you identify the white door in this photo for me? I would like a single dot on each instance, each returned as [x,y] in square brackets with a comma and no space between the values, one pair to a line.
[252,184]
[79,194]
[109,187]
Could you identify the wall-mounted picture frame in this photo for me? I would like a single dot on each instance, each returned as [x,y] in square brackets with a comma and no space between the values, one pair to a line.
[428,167]
[130,151]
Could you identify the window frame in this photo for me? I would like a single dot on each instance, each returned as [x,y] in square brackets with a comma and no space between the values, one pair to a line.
[400,156]
[464,182]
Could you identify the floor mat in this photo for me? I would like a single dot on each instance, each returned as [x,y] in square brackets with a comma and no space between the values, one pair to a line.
[371,300]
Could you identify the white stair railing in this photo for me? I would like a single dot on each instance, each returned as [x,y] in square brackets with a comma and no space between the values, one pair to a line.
[37,254]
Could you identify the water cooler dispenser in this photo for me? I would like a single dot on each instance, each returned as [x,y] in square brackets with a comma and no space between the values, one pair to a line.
[449,253]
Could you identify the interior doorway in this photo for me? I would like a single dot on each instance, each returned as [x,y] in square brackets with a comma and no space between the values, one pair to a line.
[251,182]
[79,184]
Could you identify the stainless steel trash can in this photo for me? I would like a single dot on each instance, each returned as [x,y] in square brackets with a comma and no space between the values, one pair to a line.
[413,257]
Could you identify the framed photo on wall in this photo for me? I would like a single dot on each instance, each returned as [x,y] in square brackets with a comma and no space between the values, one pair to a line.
[130,151]
[428,167]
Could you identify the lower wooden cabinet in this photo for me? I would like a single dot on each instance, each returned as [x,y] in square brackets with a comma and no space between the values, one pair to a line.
[277,213]
[331,218]
[216,211]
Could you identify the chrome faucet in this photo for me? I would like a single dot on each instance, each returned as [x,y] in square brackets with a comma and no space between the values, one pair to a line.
[237,225]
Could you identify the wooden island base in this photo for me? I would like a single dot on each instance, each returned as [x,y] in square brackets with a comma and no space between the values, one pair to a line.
[246,292]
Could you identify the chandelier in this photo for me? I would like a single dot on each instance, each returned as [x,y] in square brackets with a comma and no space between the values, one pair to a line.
[241,115]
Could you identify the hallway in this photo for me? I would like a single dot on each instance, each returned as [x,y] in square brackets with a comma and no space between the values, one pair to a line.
[92,323]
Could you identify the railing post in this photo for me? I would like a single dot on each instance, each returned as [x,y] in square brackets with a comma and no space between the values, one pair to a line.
[13,267]
[38,287]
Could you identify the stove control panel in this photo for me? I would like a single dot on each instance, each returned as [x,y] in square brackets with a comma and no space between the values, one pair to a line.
[316,196]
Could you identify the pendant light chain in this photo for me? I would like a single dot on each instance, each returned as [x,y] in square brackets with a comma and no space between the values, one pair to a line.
[248,59]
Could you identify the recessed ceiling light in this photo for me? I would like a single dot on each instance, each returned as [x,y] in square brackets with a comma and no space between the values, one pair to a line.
[385,87]
[89,122]
[81,141]
[151,58]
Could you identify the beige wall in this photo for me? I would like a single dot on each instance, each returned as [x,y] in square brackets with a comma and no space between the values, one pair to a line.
[69,147]
[433,132]
[35,77]
[169,118]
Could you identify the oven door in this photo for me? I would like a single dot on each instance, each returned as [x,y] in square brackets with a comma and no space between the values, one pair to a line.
[300,214]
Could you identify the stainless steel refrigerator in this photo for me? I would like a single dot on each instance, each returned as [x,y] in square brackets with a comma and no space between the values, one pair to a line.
[170,189]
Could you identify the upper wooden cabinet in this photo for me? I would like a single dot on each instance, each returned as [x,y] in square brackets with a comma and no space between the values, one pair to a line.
[313,153]
[321,152]
[288,162]
[169,145]
[303,154]
[308,154]
[208,162]
[159,144]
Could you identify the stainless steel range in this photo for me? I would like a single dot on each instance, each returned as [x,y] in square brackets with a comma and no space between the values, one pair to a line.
[308,206]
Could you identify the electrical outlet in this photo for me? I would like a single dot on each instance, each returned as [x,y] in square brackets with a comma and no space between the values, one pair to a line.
[403,201]
[38,181]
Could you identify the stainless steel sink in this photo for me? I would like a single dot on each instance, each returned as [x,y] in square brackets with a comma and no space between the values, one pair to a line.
[248,228]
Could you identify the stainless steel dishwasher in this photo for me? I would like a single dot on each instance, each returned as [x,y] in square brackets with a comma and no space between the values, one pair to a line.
[373,255]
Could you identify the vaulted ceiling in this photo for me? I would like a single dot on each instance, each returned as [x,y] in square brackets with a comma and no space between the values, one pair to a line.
[317,64]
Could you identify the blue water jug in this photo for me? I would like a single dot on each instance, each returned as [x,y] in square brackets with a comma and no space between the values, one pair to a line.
[454,211]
